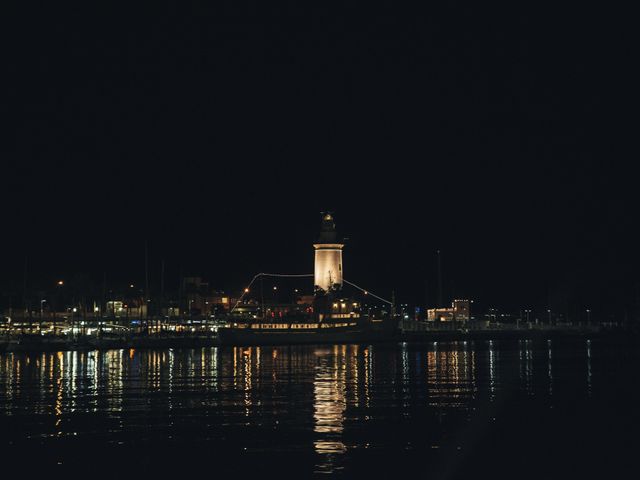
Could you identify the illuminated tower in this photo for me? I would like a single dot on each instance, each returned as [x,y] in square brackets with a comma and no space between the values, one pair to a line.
[328,262]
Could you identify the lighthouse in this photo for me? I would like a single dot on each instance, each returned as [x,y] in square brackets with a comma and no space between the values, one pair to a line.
[328,257]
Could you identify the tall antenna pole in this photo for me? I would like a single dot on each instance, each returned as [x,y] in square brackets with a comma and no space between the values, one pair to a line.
[163,301]
[439,280]
[146,280]
[103,304]
[426,296]
[24,284]
[146,270]
[180,282]
[262,296]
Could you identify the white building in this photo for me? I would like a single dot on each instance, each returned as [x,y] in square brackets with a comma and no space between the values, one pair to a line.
[328,256]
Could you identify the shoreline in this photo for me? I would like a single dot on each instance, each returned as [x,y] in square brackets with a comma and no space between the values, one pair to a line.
[90,343]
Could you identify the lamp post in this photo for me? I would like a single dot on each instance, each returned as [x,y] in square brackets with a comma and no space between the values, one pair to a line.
[41,313]
[74,310]
[589,316]
[58,302]
[275,301]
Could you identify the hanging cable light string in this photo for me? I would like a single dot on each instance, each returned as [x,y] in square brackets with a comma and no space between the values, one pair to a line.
[246,290]
[366,292]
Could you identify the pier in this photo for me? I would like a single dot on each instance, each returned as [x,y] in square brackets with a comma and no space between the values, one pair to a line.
[192,333]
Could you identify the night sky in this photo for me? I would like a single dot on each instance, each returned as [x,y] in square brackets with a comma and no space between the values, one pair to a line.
[218,131]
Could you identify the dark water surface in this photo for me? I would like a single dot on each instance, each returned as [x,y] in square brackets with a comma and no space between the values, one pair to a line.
[509,409]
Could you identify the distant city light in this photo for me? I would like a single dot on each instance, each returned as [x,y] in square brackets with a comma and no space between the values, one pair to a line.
[60,282]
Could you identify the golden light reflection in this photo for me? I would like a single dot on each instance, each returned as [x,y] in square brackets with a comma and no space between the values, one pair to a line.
[235,367]
[324,390]
[368,373]
[59,392]
[210,357]
[450,376]
[329,389]
[354,381]
[114,379]
[492,371]
[247,371]
[406,393]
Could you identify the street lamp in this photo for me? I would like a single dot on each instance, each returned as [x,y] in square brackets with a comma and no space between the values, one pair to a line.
[588,316]
[275,299]
[58,301]
[41,312]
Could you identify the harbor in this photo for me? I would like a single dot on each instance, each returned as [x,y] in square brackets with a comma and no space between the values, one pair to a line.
[160,336]
[310,239]
[334,311]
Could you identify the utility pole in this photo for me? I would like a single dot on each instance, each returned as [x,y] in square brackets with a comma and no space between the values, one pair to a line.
[262,296]
[426,298]
[162,279]
[439,300]
[146,283]
[180,282]
[162,298]
[103,306]
[27,309]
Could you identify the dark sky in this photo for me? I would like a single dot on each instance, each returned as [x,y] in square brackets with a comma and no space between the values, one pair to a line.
[217,132]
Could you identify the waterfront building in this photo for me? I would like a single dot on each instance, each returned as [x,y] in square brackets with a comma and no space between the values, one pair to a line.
[131,308]
[459,311]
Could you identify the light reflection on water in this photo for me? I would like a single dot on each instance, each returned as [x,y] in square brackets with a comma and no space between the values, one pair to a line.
[329,404]
[327,400]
